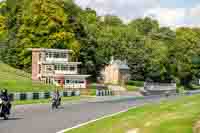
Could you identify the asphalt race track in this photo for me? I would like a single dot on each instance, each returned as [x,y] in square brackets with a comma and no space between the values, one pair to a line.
[41,119]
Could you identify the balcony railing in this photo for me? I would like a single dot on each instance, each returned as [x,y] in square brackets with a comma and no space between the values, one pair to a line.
[56,59]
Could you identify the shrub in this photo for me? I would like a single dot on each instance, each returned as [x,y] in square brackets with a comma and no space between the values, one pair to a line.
[181,90]
[135,83]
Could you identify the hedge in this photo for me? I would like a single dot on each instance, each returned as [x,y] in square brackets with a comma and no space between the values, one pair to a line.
[135,83]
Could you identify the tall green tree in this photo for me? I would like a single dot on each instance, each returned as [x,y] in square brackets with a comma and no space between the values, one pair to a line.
[186,47]
[39,23]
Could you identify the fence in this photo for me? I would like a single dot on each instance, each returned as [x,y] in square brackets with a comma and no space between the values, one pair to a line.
[104,93]
[159,86]
[151,88]
[41,95]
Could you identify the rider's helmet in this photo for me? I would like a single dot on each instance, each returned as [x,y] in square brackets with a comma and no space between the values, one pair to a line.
[4,91]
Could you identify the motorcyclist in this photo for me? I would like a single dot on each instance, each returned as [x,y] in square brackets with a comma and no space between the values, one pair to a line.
[56,97]
[4,96]
[167,94]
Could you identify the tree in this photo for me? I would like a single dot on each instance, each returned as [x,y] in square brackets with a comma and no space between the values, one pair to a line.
[38,23]
[186,47]
[111,20]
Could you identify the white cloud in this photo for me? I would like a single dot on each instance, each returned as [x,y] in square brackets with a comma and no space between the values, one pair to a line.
[126,9]
[195,12]
[131,9]
[167,16]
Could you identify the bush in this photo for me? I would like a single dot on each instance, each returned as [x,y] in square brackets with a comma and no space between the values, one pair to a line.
[92,87]
[181,90]
[135,83]
[195,87]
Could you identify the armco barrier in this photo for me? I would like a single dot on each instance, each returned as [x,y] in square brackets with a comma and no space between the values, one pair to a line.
[104,93]
[41,95]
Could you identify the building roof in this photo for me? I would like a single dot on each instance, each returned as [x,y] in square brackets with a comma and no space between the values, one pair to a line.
[49,50]
[120,64]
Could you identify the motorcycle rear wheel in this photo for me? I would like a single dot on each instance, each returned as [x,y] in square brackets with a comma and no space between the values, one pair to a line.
[5,117]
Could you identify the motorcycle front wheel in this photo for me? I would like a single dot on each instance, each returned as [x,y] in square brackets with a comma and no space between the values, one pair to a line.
[54,105]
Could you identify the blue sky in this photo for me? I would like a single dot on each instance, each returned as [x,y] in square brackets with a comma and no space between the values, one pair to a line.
[173,13]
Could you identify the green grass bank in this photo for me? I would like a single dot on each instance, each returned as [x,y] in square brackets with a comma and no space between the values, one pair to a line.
[168,117]
[19,81]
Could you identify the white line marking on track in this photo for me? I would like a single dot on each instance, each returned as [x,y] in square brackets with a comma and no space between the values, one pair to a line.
[106,116]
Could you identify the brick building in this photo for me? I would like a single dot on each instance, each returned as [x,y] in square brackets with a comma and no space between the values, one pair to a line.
[54,66]
[117,72]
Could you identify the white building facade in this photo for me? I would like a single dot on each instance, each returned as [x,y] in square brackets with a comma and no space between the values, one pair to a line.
[54,66]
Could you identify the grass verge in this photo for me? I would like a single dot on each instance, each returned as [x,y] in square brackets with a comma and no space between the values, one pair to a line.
[19,81]
[168,117]
[132,88]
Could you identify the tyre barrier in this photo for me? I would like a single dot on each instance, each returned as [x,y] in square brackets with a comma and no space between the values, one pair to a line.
[40,95]
[104,93]
[47,95]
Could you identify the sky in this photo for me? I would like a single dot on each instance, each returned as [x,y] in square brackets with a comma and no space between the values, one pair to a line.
[173,13]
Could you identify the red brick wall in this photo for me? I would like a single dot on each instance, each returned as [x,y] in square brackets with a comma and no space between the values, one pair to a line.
[35,65]
[111,74]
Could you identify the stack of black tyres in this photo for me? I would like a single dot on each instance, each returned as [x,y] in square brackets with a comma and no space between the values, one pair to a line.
[23,96]
[36,96]
[47,95]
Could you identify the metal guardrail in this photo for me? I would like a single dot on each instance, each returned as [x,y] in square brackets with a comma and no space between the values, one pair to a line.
[192,92]
[151,86]
[159,84]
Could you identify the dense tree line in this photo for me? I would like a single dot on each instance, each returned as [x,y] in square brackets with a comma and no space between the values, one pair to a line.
[152,52]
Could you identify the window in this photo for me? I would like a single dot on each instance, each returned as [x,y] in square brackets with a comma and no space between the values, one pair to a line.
[49,55]
[40,69]
[72,68]
[66,81]
[81,82]
[65,67]
[48,80]
[71,81]
[61,67]
[48,68]
[56,55]
[40,56]
[63,55]
[56,67]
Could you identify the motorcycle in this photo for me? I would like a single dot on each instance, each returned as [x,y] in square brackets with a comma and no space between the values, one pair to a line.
[4,110]
[167,94]
[56,103]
